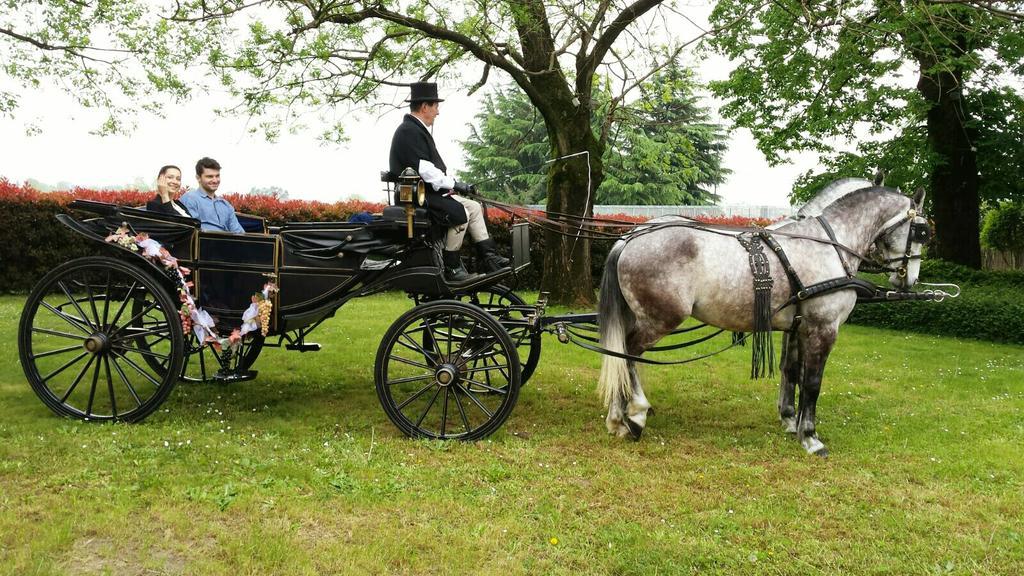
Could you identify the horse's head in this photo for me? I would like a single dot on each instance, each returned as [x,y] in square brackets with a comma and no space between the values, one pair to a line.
[897,248]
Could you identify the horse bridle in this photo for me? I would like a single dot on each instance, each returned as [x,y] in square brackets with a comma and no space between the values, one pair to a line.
[919,233]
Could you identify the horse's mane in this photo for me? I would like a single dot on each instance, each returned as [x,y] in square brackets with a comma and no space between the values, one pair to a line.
[829,194]
[857,196]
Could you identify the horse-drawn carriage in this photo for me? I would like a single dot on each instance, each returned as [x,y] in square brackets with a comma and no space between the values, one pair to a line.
[107,337]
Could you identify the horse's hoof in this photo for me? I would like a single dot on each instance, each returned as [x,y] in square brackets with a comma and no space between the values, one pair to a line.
[814,446]
[789,424]
[635,430]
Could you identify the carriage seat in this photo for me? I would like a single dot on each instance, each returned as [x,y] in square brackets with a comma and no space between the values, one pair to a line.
[397,214]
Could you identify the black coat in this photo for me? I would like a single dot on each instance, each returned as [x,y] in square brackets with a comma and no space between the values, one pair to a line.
[158,205]
[412,143]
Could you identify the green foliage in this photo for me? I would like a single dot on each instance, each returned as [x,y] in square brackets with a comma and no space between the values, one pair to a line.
[662,148]
[809,76]
[990,306]
[506,148]
[119,56]
[1003,228]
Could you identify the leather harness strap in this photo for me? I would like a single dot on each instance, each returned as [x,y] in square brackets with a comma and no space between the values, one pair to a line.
[832,236]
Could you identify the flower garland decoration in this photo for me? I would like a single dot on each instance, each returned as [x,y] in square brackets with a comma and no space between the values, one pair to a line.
[193,318]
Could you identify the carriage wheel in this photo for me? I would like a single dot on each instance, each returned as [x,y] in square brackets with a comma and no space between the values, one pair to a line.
[496,301]
[78,340]
[202,363]
[431,365]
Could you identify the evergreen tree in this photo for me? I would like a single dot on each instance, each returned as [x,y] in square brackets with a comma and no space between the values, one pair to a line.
[662,149]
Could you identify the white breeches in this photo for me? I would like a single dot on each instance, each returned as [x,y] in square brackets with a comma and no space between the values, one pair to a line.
[475,225]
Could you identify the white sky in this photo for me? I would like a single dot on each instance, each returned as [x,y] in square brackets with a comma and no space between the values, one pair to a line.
[64,151]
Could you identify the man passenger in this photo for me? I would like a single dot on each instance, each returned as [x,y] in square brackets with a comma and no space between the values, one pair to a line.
[213,213]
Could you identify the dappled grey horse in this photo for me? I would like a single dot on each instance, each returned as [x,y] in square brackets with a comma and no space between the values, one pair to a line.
[663,273]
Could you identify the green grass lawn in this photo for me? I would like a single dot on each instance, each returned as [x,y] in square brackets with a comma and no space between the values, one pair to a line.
[300,472]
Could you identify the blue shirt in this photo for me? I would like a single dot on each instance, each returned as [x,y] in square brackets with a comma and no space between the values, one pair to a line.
[215,214]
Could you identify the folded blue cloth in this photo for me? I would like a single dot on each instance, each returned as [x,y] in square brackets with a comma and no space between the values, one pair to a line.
[363,217]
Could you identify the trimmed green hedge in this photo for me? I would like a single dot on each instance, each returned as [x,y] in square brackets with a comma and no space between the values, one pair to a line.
[990,306]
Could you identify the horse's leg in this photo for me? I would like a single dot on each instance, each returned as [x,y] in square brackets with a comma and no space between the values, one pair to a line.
[615,421]
[638,406]
[790,369]
[815,343]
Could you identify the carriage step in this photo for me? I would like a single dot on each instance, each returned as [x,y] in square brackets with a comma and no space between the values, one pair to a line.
[303,347]
[229,376]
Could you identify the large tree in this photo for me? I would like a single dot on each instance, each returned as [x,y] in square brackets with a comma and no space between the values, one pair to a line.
[662,149]
[319,52]
[117,56]
[921,77]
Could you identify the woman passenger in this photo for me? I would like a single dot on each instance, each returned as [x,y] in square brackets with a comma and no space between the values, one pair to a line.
[168,185]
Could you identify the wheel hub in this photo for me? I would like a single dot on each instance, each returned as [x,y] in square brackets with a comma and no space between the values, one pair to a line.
[446,375]
[98,343]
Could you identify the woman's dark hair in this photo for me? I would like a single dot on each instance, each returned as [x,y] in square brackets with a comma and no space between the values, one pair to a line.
[206,163]
[164,169]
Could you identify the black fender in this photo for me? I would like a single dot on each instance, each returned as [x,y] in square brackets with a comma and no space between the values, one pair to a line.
[116,250]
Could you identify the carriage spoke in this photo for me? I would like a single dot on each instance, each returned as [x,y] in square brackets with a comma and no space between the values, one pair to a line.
[414,346]
[149,353]
[429,333]
[486,386]
[462,410]
[106,300]
[486,368]
[429,406]
[76,322]
[92,390]
[444,412]
[77,380]
[409,362]
[161,332]
[408,379]
[92,304]
[110,387]
[415,396]
[137,368]
[124,378]
[65,366]
[120,310]
[149,307]
[56,333]
[475,401]
[451,335]
[74,302]
[57,351]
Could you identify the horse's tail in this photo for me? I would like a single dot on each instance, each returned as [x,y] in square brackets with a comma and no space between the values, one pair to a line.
[615,320]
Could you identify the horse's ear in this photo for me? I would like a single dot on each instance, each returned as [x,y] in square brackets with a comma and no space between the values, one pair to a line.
[919,198]
[880,176]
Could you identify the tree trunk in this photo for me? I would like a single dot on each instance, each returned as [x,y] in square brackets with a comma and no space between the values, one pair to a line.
[566,271]
[954,179]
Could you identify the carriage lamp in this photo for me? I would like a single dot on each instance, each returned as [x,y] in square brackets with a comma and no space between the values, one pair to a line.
[411,193]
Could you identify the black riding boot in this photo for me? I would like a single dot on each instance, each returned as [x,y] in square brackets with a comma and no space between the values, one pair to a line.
[488,258]
[454,271]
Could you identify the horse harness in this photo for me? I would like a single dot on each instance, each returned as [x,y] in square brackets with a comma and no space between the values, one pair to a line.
[754,240]
[763,351]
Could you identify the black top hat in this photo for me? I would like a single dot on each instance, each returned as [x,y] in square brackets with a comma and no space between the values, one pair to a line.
[423,92]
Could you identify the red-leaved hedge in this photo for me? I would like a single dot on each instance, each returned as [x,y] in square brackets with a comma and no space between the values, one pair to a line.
[32,241]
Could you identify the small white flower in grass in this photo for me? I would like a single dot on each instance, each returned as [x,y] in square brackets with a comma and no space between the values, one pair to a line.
[166,443]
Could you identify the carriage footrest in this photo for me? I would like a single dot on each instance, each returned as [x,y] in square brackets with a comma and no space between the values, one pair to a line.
[303,347]
[229,376]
